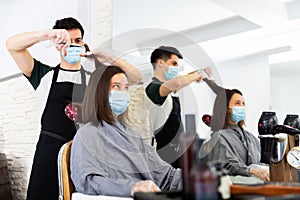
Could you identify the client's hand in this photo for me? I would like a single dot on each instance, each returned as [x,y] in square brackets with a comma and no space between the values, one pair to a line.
[144,186]
[260,171]
[101,56]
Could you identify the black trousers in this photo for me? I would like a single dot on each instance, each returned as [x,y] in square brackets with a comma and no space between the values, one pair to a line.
[43,182]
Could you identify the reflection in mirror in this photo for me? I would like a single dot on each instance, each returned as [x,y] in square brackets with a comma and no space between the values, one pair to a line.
[285,86]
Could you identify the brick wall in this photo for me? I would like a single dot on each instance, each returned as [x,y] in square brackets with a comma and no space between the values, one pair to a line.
[19,130]
[19,116]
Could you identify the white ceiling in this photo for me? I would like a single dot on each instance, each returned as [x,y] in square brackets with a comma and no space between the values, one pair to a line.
[226,29]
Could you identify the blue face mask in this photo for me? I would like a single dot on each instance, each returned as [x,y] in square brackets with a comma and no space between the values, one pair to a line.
[238,113]
[72,54]
[119,101]
[171,73]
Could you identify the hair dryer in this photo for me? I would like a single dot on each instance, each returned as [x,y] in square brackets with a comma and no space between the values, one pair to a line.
[268,124]
[272,148]
[293,121]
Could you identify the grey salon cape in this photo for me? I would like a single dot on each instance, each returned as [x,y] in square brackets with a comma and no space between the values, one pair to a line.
[110,159]
[237,149]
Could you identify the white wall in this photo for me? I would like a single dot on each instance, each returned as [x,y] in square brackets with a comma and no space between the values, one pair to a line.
[20,16]
[251,75]
[285,92]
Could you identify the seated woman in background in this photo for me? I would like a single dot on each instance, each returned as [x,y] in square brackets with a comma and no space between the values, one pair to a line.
[230,143]
[108,158]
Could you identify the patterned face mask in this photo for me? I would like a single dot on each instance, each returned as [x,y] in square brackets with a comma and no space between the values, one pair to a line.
[72,53]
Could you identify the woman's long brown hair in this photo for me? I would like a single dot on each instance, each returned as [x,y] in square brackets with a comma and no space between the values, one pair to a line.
[96,106]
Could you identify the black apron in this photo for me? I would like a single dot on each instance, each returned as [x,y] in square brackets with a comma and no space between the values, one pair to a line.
[167,137]
[57,129]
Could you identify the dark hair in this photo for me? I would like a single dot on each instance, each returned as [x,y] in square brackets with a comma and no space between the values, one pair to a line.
[165,53]
[96,106]
[68,23]
[229,94]
[221,115]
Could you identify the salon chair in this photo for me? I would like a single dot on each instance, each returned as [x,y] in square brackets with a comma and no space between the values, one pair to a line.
[66,186]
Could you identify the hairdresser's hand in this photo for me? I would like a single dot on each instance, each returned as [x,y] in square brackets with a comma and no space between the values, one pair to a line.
[101,56]
[144,186]
[60,37]
[260,171]
[208,71]
[197,76]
